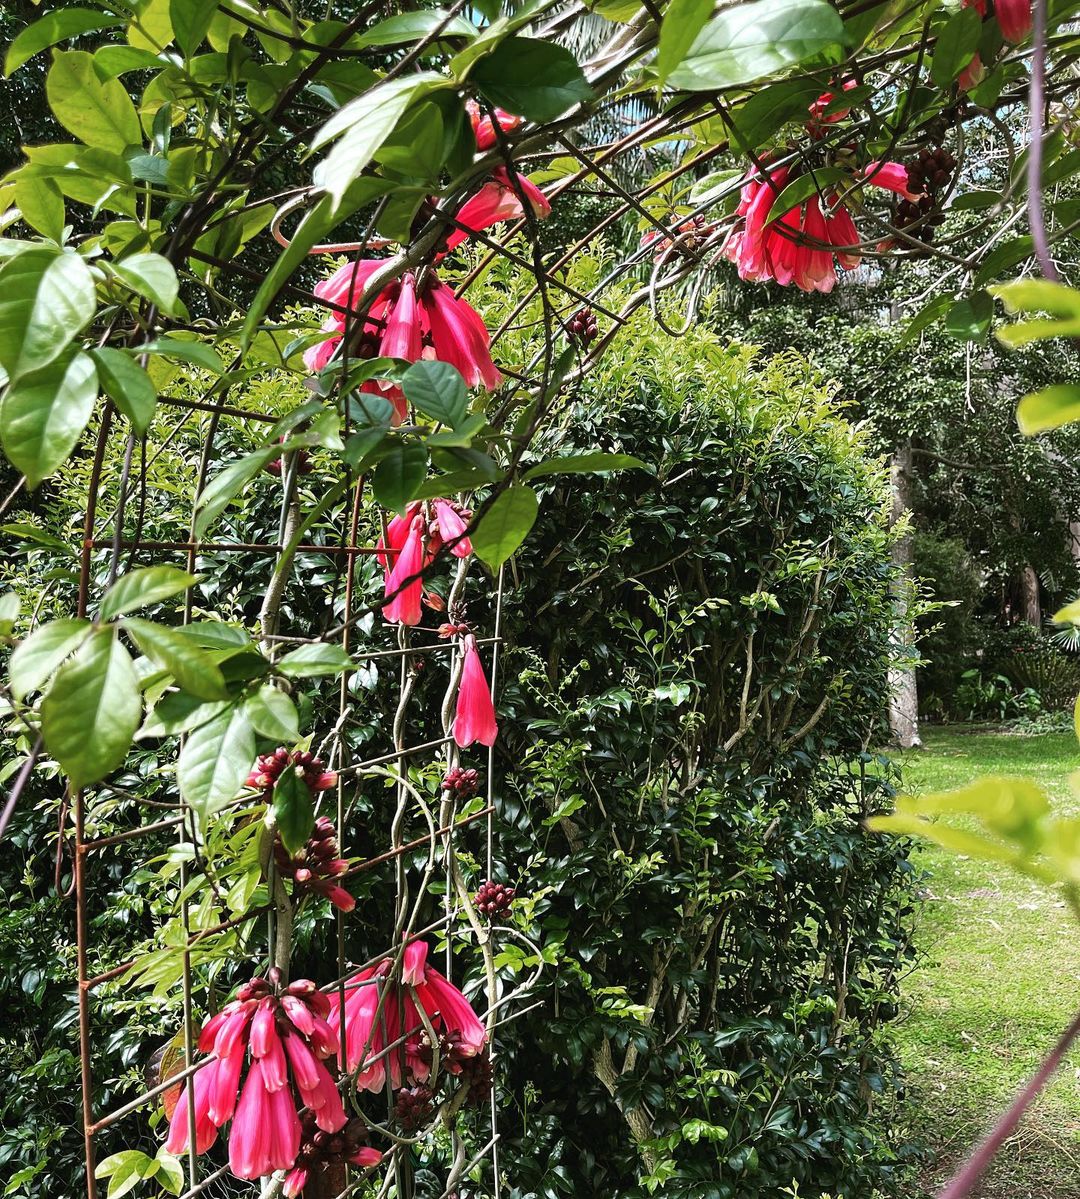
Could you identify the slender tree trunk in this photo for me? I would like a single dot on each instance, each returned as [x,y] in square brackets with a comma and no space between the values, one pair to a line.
[904,691]
[1030,608]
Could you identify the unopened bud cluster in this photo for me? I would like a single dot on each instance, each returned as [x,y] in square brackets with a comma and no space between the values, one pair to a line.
[928,173]
[463,784]
[315,867]
[494,899]
[413,1107]
[582,326]
[269,768]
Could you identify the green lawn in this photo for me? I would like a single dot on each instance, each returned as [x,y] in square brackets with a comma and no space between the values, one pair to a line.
[998,980]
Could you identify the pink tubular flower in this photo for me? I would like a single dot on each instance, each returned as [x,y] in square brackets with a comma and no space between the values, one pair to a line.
[483,129]
[819,116]
[892,176]
[371,1026]
[406,321]
[1013,18]
[452,526]
[411,543]
[283,1040]
[404,606]
[474,719]
[499,200]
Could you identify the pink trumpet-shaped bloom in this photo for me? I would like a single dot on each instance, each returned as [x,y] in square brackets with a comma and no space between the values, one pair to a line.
[366,1157]
[459,335]
[403,337]
[818,110]
[281,1039]
[892,176]
[474,719]
[499,200]
[1013,18]
[397,533]
[370,1026]
[483,129]
[205,1129]
[452,527]
[404,607]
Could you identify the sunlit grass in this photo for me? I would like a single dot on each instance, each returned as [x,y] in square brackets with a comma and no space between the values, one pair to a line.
[998,981]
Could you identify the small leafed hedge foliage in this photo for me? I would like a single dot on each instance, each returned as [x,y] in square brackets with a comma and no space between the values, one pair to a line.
[698,669]
[694,669]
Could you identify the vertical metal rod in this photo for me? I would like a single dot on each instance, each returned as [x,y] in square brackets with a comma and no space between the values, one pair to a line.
[84,1000]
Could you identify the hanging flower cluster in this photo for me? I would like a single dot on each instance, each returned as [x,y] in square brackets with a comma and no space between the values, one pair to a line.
[283,1040]
[268,769]
[315,867]
[798,245]
[410,318]
[379,1012]
[410,545]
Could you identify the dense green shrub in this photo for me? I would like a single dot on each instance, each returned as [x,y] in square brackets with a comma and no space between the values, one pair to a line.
[1030,660]
[701,651]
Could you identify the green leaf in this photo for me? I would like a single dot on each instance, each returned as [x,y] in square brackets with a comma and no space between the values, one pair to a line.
[170,1172]
[194,670]
[1039,295]
[925,317]
[1004,257]
[752,41]
[311,661]
[683,21]
[413,26]
[9,612]
[293,808]
[178,712]
[956,45]
[969,319]
[802,188]
[438,390]
[215,762]
[533,78]
[34,660]
[54,27]
[121,1161]
[1049,409]
[770,108]
[153,276]
[144,586]
[92,710]
[504,526]
[196,352]
[41,203]
[190,21]
[585,464]
[363,125]
[128,1176]
[43,415]
[273,714]
[99,114]
[128,386]
[399,474]
[223,487]
[46,299]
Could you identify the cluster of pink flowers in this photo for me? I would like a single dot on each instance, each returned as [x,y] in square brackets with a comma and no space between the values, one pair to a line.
[315,867]
[379,1012]
[410,545]
[284,1041]
[798,245]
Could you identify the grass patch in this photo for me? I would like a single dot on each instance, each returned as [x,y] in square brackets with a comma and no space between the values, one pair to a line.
[998,980]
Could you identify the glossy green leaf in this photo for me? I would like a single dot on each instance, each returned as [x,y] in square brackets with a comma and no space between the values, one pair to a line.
[293,808]
[170,1173]
[683,21]
[1049,409]
[178,712]
[505,525]
[957,42]
[969,319]
[153,276]
[43,415]
[1039,295]
[215,762]
[144,586]
[39,200]
[585,464]
[412,26]
[196,352]
[273,714]
[802,188]
[399,474]
[533,78]
[53,27]
[925,317]
[9,612]
[193,669]
[92,710]
[99,114]
[313,661]
[224,486]
[46,299]
[769,109]
[34,661]
[752,41]
[438,390]
[190,21]
[128,386]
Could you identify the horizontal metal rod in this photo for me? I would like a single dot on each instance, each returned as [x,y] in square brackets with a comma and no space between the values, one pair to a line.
[116,838]
[394,853]
[221,409]
[126,1110]
[215,547]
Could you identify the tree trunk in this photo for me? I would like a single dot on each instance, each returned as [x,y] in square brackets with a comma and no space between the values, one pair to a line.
[904,692]
[1030,609]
